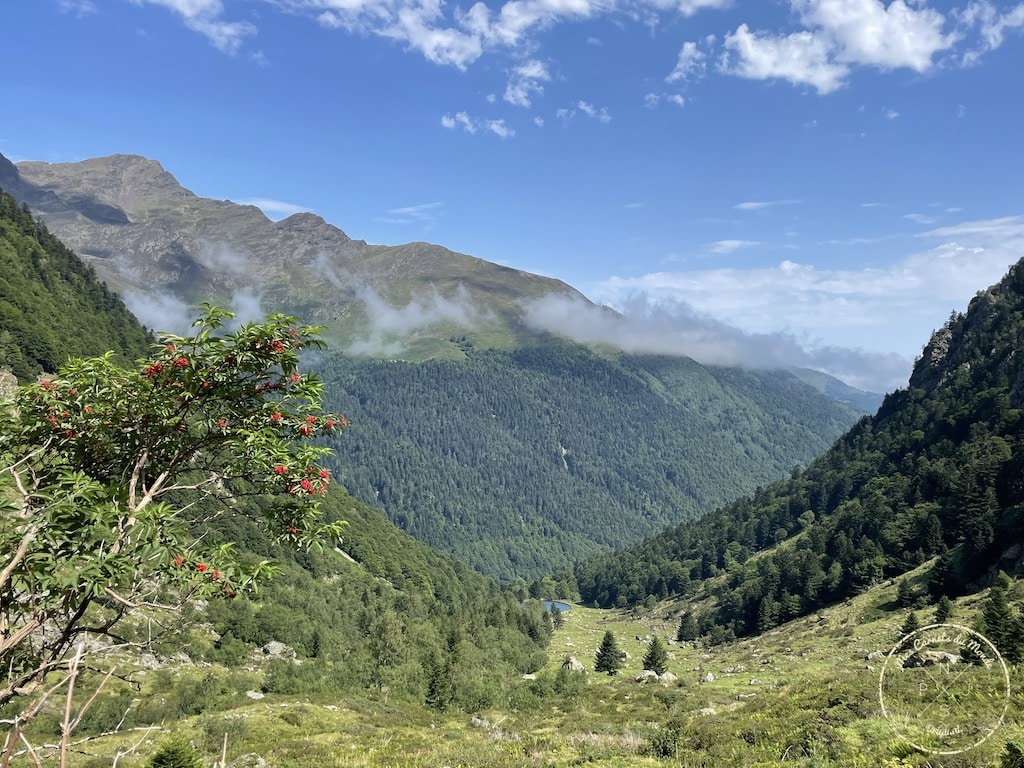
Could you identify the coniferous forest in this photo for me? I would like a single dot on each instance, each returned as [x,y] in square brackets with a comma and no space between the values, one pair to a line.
[523,462]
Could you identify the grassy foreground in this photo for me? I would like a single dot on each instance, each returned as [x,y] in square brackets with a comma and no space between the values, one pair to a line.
[804,694]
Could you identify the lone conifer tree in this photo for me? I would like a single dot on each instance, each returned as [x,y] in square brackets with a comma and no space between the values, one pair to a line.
[943,610]
[608,657]
[656,658]
[910,625]
[687,628]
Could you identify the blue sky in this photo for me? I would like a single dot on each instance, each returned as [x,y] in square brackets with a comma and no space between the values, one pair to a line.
[823,175]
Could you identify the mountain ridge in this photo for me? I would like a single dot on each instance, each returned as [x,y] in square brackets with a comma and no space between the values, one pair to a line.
[156,241]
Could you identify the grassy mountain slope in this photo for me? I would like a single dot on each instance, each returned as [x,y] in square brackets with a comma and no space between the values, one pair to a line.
[521,462]
[51,305]
[937,472]
[803,695]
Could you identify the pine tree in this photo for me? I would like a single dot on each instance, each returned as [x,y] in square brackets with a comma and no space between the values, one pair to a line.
[440,682]
[905,594]
[687,628]
[910,625]
[608,658]
[998,622]
[943,610]
[656,658]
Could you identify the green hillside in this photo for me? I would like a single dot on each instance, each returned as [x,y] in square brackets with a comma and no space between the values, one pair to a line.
[51,305]
[522,462]
[937,473]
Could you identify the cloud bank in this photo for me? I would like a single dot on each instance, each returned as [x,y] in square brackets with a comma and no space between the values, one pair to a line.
[797,314]
[647,325]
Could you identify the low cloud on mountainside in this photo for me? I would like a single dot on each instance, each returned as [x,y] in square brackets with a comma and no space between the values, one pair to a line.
[390,324]
[672,327]
[166,312]
[822,317]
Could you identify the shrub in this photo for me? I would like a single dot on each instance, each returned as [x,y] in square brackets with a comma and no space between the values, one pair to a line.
[177,753]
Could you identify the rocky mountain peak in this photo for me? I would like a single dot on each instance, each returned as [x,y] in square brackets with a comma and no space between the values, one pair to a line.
[126,182]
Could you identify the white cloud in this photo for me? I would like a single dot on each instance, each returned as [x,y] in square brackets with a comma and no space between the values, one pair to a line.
[275,209]
[891,114]
[222,257]
[892,309]
[690,65]
[651,100]
[591,111]
[867,32]
[459,120]
[757,205]
[426,213]
[525,80]
[802,58]
[728,246]
[825,42]
[77,7]
[389,325]
[647,324]
[499,128]
[838,35]
[160,312]
[919,218]
[474,124]
[204,17]
[676,99]
[992,25]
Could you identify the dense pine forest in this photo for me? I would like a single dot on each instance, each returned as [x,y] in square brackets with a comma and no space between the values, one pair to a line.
[936,473]
[523,462]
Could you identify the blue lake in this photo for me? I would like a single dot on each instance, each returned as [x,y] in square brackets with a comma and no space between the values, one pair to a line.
[552,604]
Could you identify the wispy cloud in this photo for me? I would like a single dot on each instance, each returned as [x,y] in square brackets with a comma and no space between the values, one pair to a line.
[893,309]
[758,205]
[525,81]
[473,124]
[587,109]
[275,209]
[690,65]
[665,326]
[919,218]
[206,18]
[390,326]
[77,7]
[425,213]
[728,246]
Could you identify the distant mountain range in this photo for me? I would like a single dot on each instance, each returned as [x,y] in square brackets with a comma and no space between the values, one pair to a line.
[514,449]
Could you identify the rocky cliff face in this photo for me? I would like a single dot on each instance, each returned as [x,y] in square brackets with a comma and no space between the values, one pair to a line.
[164,248]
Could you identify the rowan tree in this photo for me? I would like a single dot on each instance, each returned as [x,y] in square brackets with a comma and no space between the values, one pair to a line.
[107,475]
